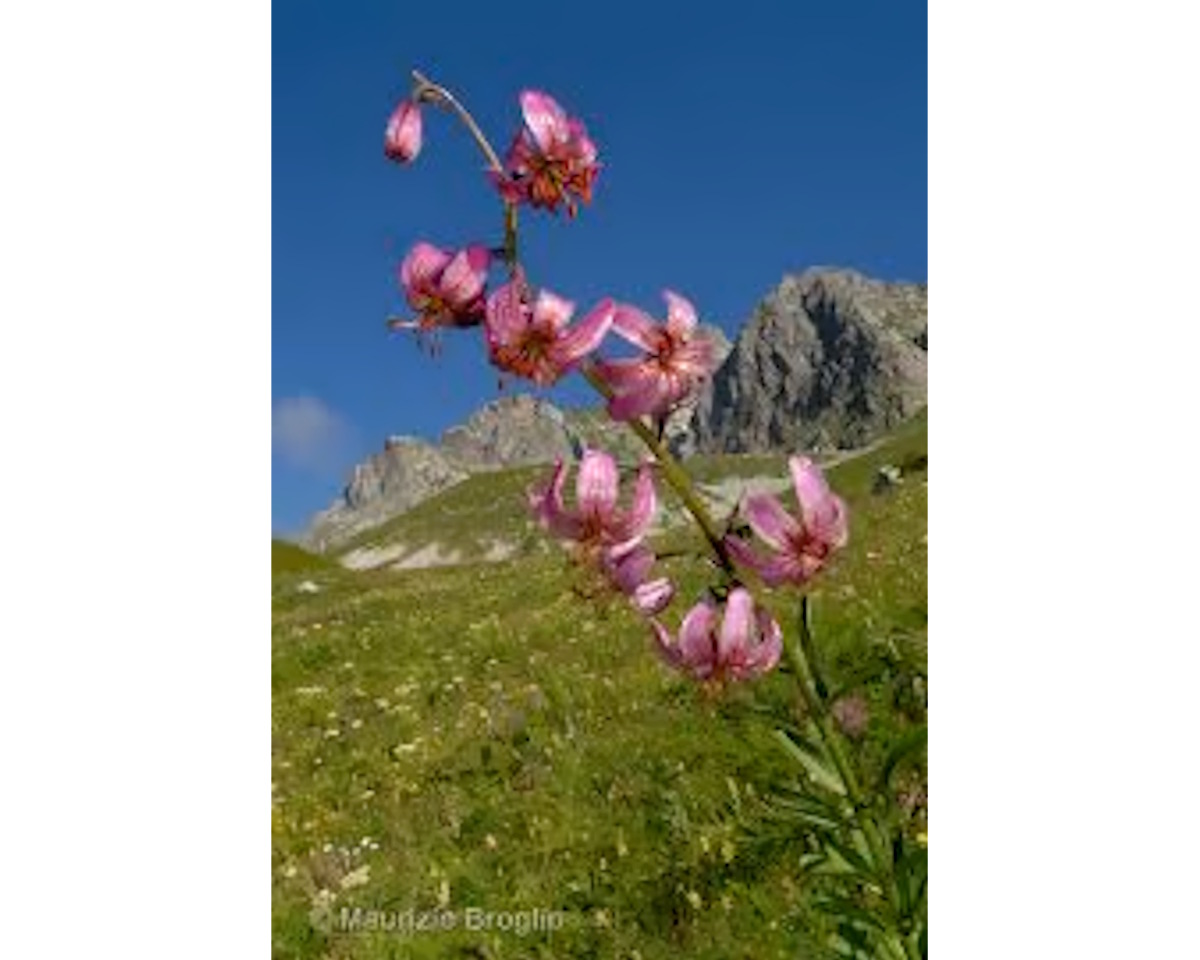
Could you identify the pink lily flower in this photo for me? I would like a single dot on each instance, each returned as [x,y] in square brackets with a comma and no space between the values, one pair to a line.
[676,361]
[402,139]
[445,289]
[552,161]
[628,568]
[533,341]
[596,522]
[799,547]
[745,644]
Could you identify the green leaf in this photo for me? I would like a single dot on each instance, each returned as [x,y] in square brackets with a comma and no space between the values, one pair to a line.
[861,847]
[851,857]
[912,742]
[846,909]
[809,812]
[814,764]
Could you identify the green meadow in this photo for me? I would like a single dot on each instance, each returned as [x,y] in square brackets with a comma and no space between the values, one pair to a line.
[495,749]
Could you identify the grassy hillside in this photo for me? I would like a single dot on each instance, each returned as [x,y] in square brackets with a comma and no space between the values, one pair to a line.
[287,557]
[484,516]
[499,736]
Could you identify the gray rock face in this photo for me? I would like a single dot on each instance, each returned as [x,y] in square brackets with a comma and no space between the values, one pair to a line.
[408,471]
[509,432]
[830,359]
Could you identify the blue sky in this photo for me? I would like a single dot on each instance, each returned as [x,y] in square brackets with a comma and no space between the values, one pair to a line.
[735,149]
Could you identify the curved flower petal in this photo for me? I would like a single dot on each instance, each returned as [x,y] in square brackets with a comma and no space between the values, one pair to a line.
[507,314]
[651,396]
[585,336]
[596,487]
[654,596]
[745,554]
[629,564]
[831,526]
[423,265]
[765,655]
[788,567]
[551,309]
[733,640]
[666,647]
[545,119]
[630,323]
[769,520]
[645,504]
[695,360]
[623,375]
[549,509]
[811,489]
[696,649]
[681,315]
[584,147]
[823,513]
[465,275]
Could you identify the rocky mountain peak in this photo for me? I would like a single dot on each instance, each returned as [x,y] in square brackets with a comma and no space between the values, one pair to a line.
[508,432]
[830,358]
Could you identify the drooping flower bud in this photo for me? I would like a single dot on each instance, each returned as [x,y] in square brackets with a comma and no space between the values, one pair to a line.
[402,139]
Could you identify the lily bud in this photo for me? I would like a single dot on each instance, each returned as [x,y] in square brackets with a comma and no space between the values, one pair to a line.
[402,140]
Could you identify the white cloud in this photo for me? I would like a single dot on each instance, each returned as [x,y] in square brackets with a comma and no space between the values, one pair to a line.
[309,435]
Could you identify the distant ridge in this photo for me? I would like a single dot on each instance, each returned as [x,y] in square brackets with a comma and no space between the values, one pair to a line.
[831,359]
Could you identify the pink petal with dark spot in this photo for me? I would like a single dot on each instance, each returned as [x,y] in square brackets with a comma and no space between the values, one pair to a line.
[423,265]
[596,487]
[653,597]
[733,640]
[769,520]
[464,277]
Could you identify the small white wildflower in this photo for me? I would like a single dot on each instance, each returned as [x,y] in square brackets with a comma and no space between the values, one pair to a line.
[356,878]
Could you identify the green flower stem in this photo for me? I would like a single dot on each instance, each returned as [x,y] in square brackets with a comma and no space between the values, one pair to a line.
[427,90]
[676,476]
[812,689]
[432,92]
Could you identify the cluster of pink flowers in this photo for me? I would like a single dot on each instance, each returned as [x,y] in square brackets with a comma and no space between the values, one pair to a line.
[552,164]
[611,539]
